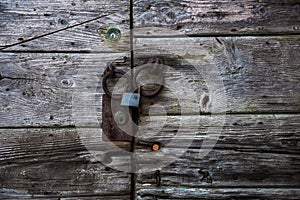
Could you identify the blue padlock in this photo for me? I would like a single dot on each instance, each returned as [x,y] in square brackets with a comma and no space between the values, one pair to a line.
[131,99]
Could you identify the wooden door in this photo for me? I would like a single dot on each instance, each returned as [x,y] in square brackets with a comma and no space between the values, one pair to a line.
[251,47]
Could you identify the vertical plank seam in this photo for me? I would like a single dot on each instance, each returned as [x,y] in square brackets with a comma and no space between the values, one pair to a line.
[134,111]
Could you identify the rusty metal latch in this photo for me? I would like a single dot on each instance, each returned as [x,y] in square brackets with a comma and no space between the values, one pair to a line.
[116,125]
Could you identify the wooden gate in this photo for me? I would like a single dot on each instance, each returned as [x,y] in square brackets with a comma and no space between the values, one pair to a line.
[251,45]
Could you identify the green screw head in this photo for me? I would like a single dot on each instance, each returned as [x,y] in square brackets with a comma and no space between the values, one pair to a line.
[113,34]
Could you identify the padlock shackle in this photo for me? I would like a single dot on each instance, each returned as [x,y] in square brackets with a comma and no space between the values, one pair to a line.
[109,73]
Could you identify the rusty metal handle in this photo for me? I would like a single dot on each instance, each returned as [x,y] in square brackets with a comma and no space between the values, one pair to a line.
[110,72]
[155,69]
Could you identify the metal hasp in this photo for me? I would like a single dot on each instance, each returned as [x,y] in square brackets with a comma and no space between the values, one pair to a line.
[119,126]
[112,127]
[115,126]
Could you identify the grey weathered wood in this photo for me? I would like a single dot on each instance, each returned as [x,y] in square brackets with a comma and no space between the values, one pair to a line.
[68,25]
[258,74]
[218,193]
[225,168]
[158,17]
[42,197]
[251,150]
[256,157]
[37,89]
[100,197]
[228,168]
[257,133]
[54,163]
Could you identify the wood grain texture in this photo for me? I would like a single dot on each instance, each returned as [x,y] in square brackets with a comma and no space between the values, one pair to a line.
[49,163]
[240,17]
[56,86]
[257,133]
[37,89]
[68,25]
[258,75]
[248,74]
[251,150]
[87,197]
[226,168]
[225,193]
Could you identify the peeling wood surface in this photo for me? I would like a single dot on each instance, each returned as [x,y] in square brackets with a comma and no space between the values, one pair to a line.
[54,163]
[67,25]
[242,17]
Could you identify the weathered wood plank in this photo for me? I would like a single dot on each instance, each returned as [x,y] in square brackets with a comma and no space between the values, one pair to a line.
[216,17]
[99,197]
[257,74]
[68,25]
[222,193]
[54,163]
[252,150]
[37,89]
[43,197]
[224,168]
[257,133]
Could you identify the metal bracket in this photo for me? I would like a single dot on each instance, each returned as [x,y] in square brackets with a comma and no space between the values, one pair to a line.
[112,128]
[118,126]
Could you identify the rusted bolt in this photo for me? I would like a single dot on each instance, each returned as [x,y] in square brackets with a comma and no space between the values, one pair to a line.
[155,147]
[113,34]
[120,118]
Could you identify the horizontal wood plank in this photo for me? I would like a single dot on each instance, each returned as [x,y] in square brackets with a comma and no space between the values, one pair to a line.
[223,193]
[257,133]
[54,163]
[225,168]
[251,150]
[42,197]
[242,17]
[258,159]
[238,74]
[49,89]
[100,198]
[68,25]
[257,75]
